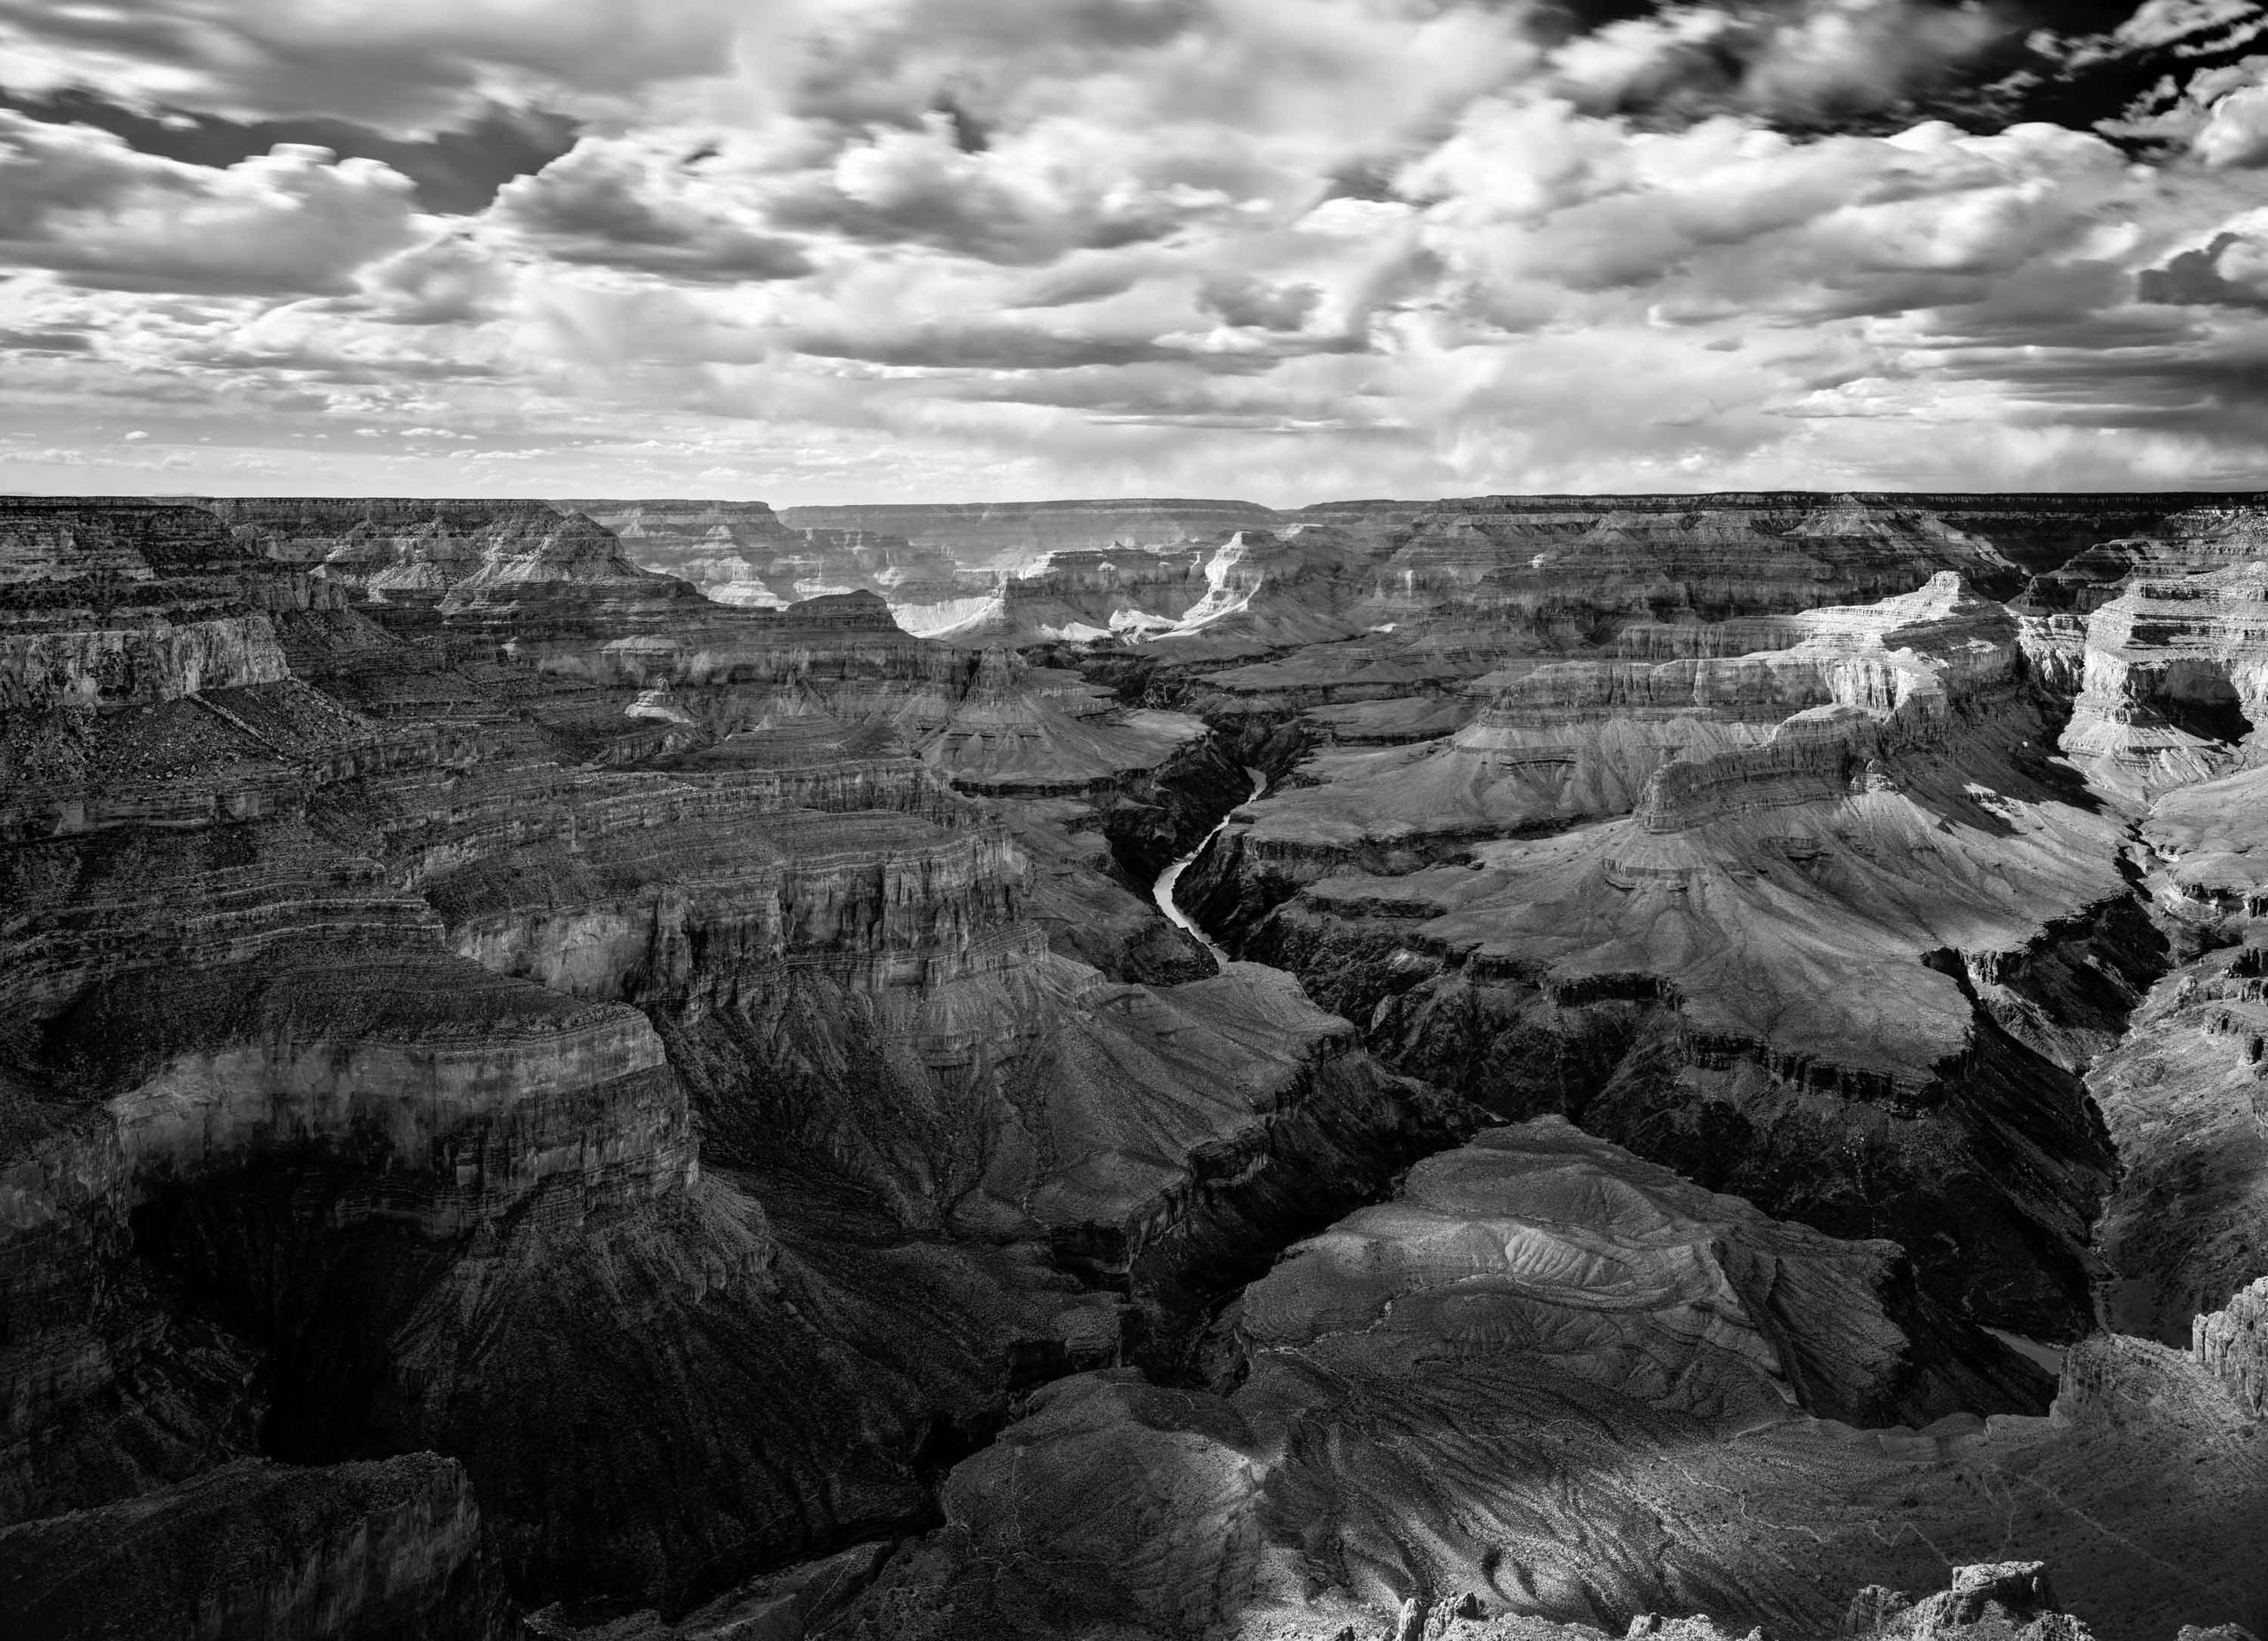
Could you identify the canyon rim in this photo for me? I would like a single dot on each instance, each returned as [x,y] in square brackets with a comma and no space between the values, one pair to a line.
[1474,846]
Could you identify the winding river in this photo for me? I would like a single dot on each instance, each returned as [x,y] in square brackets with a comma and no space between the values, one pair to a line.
[1163,890]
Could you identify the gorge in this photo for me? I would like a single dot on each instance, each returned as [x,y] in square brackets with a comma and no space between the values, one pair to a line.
[1508,1067]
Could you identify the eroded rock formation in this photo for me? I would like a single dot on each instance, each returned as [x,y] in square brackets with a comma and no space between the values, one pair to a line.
[567,1061]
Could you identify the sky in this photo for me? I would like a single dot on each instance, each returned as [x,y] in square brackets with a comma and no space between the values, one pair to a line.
[827,250]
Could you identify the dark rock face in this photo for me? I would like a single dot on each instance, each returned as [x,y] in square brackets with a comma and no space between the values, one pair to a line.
[563,1065]
[375,1552]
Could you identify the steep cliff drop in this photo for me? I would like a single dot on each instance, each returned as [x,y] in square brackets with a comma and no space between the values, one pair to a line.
[534,1093]
[1163,890]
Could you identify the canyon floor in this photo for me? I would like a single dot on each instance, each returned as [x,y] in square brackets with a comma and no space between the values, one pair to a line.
[1135,1071]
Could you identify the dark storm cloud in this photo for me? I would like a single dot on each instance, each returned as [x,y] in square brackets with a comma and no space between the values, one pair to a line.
[457,170]
[2202,277]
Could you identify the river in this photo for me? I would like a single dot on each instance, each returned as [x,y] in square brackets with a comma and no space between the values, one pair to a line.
[1163,890]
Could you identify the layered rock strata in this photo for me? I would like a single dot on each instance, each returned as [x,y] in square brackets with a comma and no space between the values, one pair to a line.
[1485,1404]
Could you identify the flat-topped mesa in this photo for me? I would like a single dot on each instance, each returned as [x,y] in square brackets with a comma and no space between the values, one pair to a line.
[2232,1344]
[2035,530]
[2174,679]
[448,550]
[1010,735]
[657,531]
[55,538]
[1577,571]
[985,533]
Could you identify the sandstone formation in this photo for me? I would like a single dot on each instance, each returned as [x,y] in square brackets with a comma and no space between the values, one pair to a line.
[2174,672]
[1493,1449]
[1016,534]
[612,1067]
[380,976]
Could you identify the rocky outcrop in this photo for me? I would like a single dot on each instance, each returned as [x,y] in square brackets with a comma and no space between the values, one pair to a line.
[1571,566]
[2185,1097]
[2193,541]
[1008,737]
[1572,739]
[1571,1251]
[702,1070]
[2232,1344]
[1435,1432]
[1020,534]
[2013,1598]
[2176,673]
[387,1551]
[739,553]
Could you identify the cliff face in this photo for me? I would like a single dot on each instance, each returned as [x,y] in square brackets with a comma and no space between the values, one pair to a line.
[1485,1454]
[1821,913]
[740,553]
[686,1075]
[373,1001]
[1018,533]
[2172,682]
[375,1552]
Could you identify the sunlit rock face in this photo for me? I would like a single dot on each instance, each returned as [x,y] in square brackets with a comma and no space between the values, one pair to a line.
[2213,536]
[740,553]
[1550,1385]
[379,984]
[2173,680]
[1540,1242]
[691,1063]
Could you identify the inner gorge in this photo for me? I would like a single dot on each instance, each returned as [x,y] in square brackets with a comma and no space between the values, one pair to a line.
[1504,1069]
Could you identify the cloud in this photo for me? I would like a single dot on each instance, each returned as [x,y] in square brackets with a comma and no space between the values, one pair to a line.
[2230,272]
[448,279]
[970,247]
[1803,60]
[2235,132]
[401,67]
[80,202]
[633,204]
[456,169]
[1055,187]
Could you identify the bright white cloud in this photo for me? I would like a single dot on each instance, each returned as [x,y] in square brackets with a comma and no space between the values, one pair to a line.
[969,248]
[81,201]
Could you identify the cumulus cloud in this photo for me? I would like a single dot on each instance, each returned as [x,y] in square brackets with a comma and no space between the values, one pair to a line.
[1780,60]
[2232,271]
[961,247]
[632,203]
[402,65]
[79,201]
[2235,129]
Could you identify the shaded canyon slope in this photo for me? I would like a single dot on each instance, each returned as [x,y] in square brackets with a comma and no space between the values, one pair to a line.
[608,1068]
